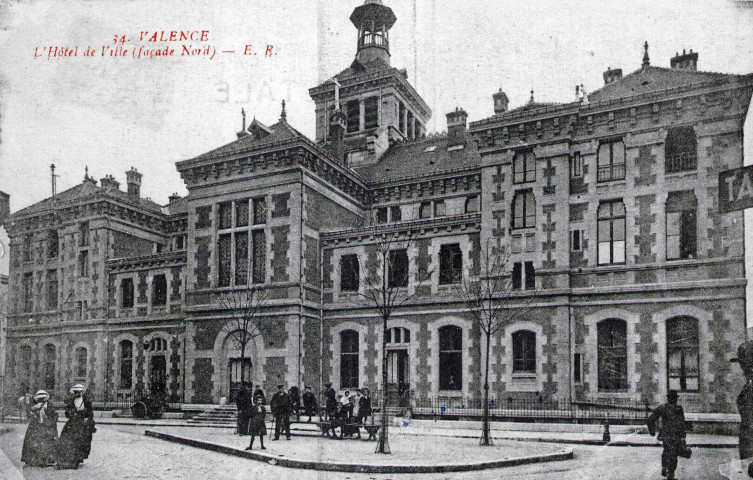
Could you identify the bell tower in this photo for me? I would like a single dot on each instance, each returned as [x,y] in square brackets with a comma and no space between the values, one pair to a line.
[373,21]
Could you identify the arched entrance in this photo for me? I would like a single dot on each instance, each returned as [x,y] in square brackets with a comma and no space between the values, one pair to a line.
[236,367]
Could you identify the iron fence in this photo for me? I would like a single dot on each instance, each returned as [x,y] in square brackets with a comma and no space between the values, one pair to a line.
[680,162]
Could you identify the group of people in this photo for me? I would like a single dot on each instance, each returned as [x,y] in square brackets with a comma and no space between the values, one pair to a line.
[42,447]
[347,412]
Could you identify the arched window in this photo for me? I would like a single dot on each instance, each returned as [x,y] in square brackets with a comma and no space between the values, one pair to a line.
[50,360]
[682,354]
[126,364]
[81,355]
[612,354]
[524,352]
[680,150]
[348,359]
[611,232]
[24,361]
[524,209]
[450,358]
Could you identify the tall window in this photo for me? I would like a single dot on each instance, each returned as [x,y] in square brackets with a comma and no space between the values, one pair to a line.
[371,112]
[259,256]
[450,264]
[401,117]
[126,364]
[24,361]
[611,161]
[524,352]
[126,293]
[260,210]
[612,354]
[348,359]
[397,268]
[349,273]
[241,248]
[50,360]
[159,290]
[524,209]
[83,263]
[81,362]
[241,258]
[83,234]
[611,230]
[680,150]
[681,225]
[353,115]
[381,215]
[52,289]
[395,213]
[28,286]
[52,243]
[524,166]
[225,215]
[28,246]
[682,354]
[523,276]
[576,165]
[450,358]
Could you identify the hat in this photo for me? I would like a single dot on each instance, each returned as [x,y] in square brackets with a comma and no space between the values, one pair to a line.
[41,396]
[744,352]
[672,395]
[78,388]
[281,386]
[307,387]
[328,384]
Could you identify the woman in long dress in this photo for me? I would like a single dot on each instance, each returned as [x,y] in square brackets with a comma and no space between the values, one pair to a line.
[257,425]
[76,438]
[41,434]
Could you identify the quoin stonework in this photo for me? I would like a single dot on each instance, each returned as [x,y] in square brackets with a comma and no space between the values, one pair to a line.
[607,205]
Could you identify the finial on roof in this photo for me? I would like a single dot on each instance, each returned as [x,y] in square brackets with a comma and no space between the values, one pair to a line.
[531,100]
[646,61]
[283,115]
[243,114]
[86,172]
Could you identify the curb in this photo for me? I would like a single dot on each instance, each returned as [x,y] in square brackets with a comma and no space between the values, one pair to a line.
[566,454]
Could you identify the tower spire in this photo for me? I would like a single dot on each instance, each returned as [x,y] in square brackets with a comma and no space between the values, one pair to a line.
[646,61]
[283,115]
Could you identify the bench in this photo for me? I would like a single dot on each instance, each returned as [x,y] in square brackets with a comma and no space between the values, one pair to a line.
[372,430]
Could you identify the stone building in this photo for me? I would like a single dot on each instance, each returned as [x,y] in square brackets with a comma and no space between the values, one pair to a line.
[604,207]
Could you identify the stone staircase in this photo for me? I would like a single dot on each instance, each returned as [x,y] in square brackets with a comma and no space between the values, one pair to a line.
[217,415]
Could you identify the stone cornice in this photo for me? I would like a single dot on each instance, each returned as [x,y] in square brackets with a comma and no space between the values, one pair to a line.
[437,183]
[148,262]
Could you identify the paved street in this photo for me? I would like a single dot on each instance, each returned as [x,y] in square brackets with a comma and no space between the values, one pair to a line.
[123,452]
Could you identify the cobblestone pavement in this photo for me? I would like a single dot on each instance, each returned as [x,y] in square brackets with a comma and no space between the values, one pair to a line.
[123,452]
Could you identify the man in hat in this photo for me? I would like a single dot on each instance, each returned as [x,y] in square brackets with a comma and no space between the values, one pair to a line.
[244,401]
[331,396]
[745,402]
[309,403]
[672,432]
[280,406]
[364,406]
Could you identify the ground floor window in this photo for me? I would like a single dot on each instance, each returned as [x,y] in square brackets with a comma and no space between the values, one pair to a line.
[682,354]
[349,359]
[612,354]
[450,358]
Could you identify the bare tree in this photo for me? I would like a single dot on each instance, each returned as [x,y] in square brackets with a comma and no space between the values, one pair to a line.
[492,303]
[244,308]
[386,289]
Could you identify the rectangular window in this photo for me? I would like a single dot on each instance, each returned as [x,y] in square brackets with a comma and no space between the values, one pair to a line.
[425,210]
[381,215]
[577,369]
[28,284]
[260,210]
[517,243]
[450,264]
[126,364]
[611,161]
[159,290]
[682,354]
[225,215]
[224,255]
[524,352]
[523,276]
[576,165]
[524,209]
[52,243]
[83,234]
[397,268]
[517,276]
[450,358]
[204,217]
[472,204]
[241,258]
[411,126]
[126,293]
[353,113]
[349,273]
[241,213]
[611,232]
[530,276]
[524,166]
[28,246]
[401,118]
[52,289]
[681,225]
[180,242]
[680,150]
[371,112]
[440,209]
[259,256]
[395,213]
[83,263]
[576,241]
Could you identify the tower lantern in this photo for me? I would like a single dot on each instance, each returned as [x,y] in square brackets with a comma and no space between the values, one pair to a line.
[373,21]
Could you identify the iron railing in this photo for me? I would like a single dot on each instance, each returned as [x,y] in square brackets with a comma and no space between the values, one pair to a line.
[606,173]
[680,162]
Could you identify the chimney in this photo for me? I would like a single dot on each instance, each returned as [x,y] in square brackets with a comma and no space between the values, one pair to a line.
[500,102]
[456,127]
[612,75]
[133,180]
[4,207]
[173,198]
[108,181]
[686,61]
[243,131]
[336,137]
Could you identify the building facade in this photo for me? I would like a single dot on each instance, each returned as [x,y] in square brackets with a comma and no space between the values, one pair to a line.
[604,209]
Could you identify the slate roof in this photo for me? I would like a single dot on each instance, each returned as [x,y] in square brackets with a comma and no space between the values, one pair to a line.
[406,160]
[89,189]
[652,79]
[357,68]
[177,207]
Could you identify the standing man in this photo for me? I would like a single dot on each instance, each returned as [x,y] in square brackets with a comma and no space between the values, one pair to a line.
[364,406]
[745,402]
[672,432]
[280,406]
[309,403]
[295,401]
[244,401]
[258,392]
[331,405]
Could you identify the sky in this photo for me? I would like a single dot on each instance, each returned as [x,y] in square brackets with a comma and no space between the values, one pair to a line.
[113,113]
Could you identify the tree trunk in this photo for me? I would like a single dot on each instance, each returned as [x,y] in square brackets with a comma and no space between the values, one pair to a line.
[243,370]
[486,434]
[383,445]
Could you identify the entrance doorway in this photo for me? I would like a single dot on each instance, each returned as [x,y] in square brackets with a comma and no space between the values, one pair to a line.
[236,368]
[158,374]
[398,377]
